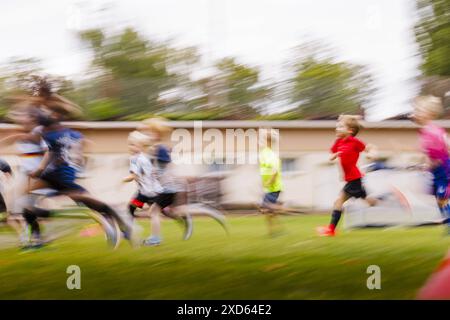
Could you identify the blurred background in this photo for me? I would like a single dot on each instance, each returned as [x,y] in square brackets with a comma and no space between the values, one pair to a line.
[215,59]
[293,65]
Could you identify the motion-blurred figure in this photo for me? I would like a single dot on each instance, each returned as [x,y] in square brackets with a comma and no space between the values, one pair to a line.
[5,168]
[437,286]
[57,170]
[173,200]
[270,170]
[347,148]
[433,142]
[143,173]
[31,152]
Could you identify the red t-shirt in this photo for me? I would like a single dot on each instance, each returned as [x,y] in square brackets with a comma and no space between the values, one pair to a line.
[349,148]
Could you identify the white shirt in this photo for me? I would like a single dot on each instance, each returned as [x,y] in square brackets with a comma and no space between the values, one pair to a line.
[31,152]
[141,166]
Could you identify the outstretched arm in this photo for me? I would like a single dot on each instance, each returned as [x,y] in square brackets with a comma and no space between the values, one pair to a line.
[371,150]
[334,156]
[15,137]
[129,178]
[272,179]
[44,163]
[63,104]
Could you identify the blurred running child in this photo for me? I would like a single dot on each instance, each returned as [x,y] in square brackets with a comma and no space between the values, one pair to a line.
[433,142]
[143,172]
[5,168]
[31,152]
[171,194]
[270,171]
[347,148]
[58,168]
[58,171]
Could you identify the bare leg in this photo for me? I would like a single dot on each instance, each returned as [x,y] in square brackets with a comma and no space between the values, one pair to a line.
[186,211]
[399,196]
[155,220]
[371,201]
[443,205]
[99,206]
[30,215]
[270,211]
[339,203]
[272,223]
[337,209]
[37,184]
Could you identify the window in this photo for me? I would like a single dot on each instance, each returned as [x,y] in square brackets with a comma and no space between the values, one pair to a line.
[220,166]
[288,165]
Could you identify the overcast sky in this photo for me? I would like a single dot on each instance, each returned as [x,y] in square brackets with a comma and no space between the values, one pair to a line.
[377,33]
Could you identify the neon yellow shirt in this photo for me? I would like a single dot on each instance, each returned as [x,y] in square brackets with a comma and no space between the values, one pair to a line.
[270,164]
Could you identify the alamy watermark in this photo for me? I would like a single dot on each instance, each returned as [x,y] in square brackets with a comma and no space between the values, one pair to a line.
[374,17]
[73,281]
[374,280]
[230,146]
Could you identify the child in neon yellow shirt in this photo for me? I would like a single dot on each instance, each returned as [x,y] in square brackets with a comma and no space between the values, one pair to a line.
[270,171]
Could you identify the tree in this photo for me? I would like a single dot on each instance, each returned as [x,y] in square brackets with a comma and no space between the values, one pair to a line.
[322,87]
[232,92]
[18,78]
[17,73]
[433,36]
[15,79]
[132,72]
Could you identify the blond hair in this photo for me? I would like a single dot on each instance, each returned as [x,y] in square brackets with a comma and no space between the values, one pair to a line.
[430,104]
[158,124]
[139,138]
[351,122]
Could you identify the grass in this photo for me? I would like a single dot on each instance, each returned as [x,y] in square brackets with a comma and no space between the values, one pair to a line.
[246,265]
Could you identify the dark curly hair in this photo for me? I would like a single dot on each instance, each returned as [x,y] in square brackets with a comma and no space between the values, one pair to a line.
[41,87]
[42,94]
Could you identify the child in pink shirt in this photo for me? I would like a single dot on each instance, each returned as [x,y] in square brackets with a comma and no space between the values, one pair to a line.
[433,142]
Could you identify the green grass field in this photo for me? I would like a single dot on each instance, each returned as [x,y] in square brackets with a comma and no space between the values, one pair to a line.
[245,265]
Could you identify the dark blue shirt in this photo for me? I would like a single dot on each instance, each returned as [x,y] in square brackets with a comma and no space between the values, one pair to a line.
[65,145]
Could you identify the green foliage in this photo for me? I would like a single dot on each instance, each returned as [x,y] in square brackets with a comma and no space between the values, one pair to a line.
[134,71]
[433,36]
[103,109]
[288,115]
[238,87]
[131,78]
[232,92]
[322,87]
[3,111]
[196,115]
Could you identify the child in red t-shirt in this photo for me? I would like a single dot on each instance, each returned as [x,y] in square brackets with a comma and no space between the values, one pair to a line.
[347,148]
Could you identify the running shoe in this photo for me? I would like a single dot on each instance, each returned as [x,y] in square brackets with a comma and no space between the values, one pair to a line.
[325,232]
[152,241]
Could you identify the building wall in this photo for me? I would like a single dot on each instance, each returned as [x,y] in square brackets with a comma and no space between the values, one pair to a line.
[310,180]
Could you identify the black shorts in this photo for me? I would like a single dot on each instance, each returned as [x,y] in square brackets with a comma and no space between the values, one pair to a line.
[163,200]
[355,189]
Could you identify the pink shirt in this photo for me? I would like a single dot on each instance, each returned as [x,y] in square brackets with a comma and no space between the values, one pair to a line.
[433,142]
